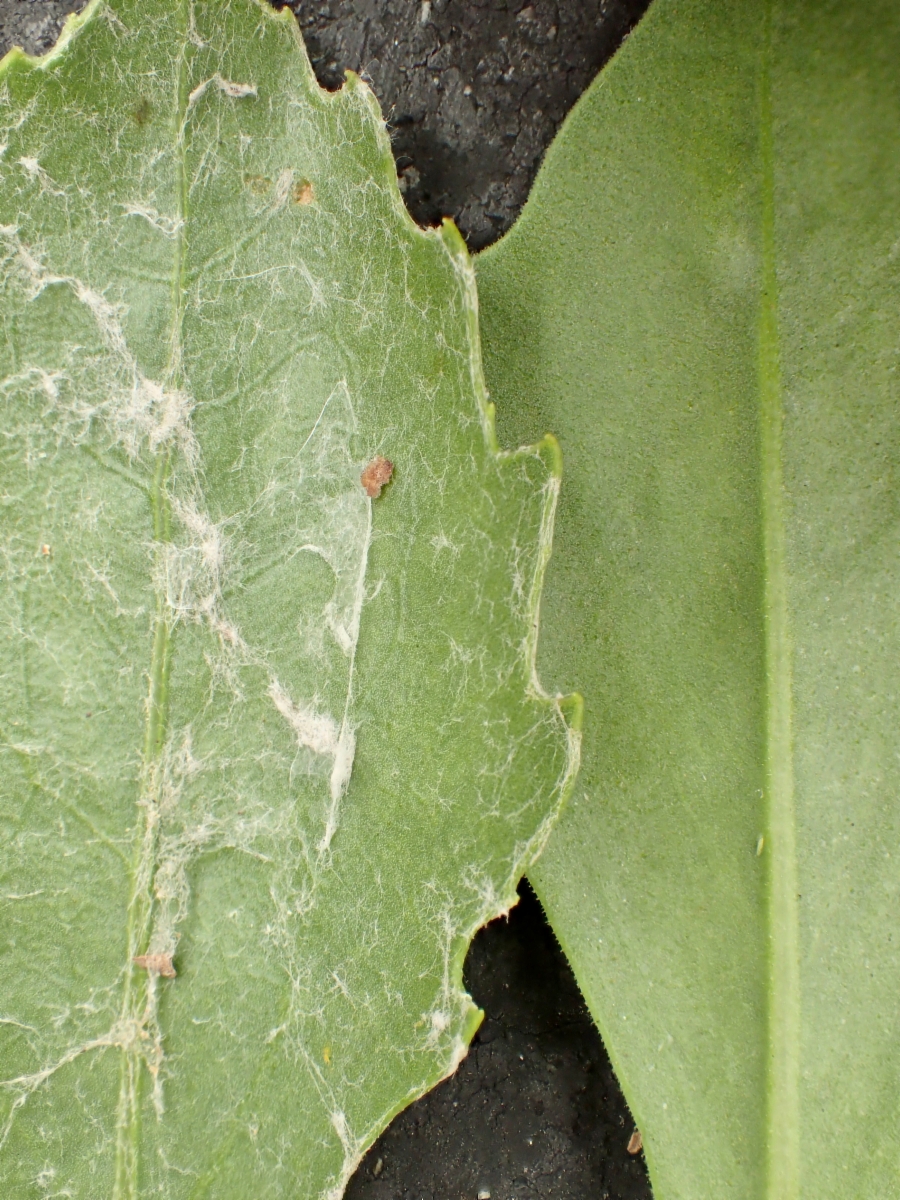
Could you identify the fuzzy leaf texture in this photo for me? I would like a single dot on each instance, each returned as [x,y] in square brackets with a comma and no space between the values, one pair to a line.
[280,741]
[702,299]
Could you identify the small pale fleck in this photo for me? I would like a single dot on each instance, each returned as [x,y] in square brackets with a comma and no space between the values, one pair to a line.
[635,1143]
[378,1168]
[484,1194]
[156,964]
[236,90]
[302,192]
[326,1056]
[408,178]
[760,844]
[376,475]
[45,550]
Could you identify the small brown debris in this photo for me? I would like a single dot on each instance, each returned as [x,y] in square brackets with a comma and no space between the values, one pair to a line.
[302,192]
[142,111]
[45,550]
[258,184]
[159,964]
[376,475]
[635,1143]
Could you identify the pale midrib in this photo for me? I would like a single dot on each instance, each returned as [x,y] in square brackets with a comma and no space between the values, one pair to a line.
[135,998]
[782,1116]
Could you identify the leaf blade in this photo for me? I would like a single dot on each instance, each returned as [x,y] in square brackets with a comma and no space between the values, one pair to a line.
[258,691]
[633,311]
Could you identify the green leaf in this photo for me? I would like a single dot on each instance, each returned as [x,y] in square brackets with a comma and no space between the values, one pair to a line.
[701,300]
[256,728]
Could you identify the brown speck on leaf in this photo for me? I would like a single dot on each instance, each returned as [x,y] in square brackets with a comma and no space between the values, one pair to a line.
[635,1143]
[258,184]
[142,111]
[158,964]
[45,550]
[302,192]
[376,475]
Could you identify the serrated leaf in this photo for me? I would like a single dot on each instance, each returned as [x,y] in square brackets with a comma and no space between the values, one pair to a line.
[701,299]
[272,749]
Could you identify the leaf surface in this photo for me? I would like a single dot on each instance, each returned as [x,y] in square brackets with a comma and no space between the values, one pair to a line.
[277,739]
[701,299]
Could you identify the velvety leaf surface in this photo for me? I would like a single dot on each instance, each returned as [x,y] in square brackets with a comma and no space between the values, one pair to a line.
[278,739]
[701,299]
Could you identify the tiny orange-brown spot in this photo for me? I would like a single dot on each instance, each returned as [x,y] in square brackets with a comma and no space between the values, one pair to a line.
[302,192]
[635,1143]
[45,550]
[376,475]
[157,964]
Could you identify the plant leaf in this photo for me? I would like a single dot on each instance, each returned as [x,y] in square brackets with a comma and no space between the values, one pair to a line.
[701,299]
[271,749]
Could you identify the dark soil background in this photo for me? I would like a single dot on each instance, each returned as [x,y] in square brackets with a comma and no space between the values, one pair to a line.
[474,91]
[534,1112]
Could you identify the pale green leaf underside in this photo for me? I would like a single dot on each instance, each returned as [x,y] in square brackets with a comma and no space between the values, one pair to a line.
[702,299]
[249,717]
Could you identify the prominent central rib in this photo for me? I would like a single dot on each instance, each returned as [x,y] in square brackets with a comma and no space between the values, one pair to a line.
[138,1000]
[782,1133]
